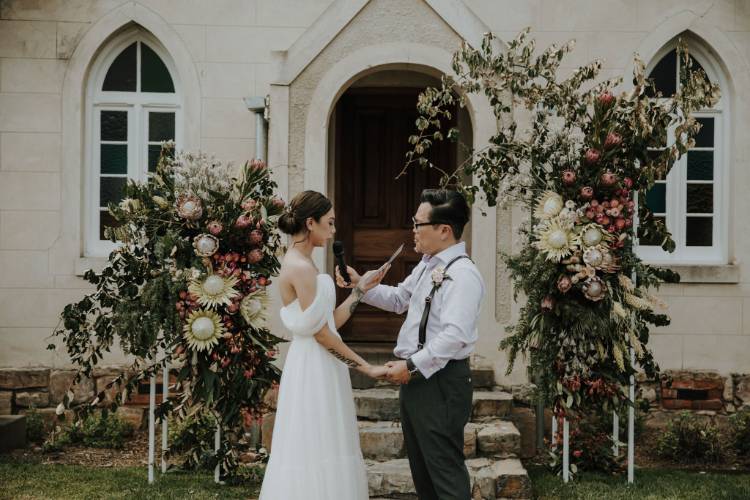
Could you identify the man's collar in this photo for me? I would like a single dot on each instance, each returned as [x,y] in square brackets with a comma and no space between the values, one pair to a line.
[446,255]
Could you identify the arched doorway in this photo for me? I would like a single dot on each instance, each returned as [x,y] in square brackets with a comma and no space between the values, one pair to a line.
[368,140]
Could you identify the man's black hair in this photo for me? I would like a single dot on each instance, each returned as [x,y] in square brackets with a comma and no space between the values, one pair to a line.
[448,207]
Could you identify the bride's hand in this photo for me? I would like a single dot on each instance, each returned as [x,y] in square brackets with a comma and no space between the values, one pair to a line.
[371,279]
[353,275]
[377,372]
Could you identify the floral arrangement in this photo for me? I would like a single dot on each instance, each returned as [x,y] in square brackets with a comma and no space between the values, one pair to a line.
[197,246]
[577,168]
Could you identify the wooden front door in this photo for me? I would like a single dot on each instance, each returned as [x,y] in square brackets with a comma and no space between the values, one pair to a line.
[373,209]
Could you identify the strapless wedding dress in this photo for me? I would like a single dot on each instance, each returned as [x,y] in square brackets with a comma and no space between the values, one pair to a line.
[315,452]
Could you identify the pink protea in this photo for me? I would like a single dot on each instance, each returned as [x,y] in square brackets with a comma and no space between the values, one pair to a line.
[628,182]
[215,227]
[564,284]
[256,237]
[255,256]
[592,156]
[613,140]
[606,99]
[243,221]
[587,192]
[548,303]
[568,177]
[608,179]
[256,164]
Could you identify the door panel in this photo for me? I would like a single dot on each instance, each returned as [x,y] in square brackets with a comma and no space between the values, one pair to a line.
[373,209]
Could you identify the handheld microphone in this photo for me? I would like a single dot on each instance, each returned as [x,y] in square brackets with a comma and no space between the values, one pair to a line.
[338,252]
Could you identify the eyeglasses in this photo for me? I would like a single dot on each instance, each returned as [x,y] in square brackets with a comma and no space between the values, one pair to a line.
[419,224]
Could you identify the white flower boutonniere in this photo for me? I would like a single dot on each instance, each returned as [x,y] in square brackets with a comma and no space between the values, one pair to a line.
[438,276]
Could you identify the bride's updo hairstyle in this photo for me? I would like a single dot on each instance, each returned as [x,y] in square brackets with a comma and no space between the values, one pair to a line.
[303,206]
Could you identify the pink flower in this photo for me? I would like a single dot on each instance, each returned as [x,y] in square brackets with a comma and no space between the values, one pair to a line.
[243,221]
[592,156]
[568,177]
[255,256]
[608,179]
[215,227]
[613,140]
[606,99]
[577,453]
[256,236]
[628,182]
[256,164]
[548,303]
[587,192]
[248,205]
[564,284]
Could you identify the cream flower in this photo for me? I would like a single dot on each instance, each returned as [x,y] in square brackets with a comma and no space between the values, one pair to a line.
[205,245]
[189,207]
[203,329]
[254,309]
[556,240]
[548,206]
[214,290]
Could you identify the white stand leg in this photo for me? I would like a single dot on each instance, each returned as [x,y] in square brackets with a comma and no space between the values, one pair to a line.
[554,432]
[217,445]
[615,433]
[631,424]
[164,430]
[151,444]
[566,451]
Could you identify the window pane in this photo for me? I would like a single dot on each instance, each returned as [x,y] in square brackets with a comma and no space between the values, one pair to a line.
[650,239]
[121,75]
[664,75]
[106,220]
[700,165]
[705,137]
[153,157]
[114,158]
[700,198]
[699,231]
[155,76]
[114,126]
[111,190]
[160,127]
[656,198]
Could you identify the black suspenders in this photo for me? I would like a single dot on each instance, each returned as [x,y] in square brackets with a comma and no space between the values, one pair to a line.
[428,304]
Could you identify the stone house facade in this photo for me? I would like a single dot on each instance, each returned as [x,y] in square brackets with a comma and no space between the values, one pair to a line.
[88,88]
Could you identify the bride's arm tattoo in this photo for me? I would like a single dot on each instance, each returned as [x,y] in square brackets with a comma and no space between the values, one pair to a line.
[344,359]
[358,295]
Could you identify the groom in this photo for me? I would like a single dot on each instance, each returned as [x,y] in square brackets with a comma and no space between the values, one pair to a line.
[442,297]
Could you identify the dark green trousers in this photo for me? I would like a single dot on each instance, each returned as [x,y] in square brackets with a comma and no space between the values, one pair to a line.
[434,413]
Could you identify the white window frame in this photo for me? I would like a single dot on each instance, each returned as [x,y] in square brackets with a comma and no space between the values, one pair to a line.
[676,182]
[137,105]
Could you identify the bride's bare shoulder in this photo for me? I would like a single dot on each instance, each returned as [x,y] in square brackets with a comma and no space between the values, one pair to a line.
[295,268]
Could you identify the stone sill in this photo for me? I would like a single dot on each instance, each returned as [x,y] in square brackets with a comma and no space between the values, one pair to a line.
[83,264]
[700,273]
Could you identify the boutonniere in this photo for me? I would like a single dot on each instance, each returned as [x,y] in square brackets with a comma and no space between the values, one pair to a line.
[438,276]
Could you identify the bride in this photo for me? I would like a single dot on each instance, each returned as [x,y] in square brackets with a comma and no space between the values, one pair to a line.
[315,453]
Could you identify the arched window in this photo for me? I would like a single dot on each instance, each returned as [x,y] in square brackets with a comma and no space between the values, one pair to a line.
[133,104]
[692,200]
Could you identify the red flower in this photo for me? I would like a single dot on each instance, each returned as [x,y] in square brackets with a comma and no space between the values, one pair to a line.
[613,140]
[255,256]
[592,156]
[577,453]
[606,99]
[587,192]
[568,177]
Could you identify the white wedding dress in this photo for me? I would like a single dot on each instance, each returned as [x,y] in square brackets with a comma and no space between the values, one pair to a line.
[315,452]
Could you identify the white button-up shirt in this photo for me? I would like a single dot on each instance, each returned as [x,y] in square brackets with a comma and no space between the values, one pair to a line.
[452,324]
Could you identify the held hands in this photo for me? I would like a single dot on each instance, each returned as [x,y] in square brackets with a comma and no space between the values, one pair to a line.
[398,373]
[377,372]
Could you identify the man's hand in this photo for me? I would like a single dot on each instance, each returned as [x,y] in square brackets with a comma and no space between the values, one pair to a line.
[398,373]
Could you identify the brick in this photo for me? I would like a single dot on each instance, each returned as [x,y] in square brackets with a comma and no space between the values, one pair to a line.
[24,378]
[676,404]
[708,404]
[60,381]
[35,399]
[6,402]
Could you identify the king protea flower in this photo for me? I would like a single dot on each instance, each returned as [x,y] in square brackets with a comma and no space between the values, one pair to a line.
[214,290]
[203,329]
[549,205]
[254,309]
[556,240]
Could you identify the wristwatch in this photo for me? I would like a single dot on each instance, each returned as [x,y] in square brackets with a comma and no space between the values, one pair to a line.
[413,370]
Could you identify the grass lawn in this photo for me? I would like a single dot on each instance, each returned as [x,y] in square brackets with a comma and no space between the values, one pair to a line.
[27,480]
[650,484]
[32,480]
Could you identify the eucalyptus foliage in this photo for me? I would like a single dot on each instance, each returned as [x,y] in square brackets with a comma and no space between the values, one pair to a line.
[576,166]
[193,219]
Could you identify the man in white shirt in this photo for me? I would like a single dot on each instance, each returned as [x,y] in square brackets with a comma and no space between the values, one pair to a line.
[436,388]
